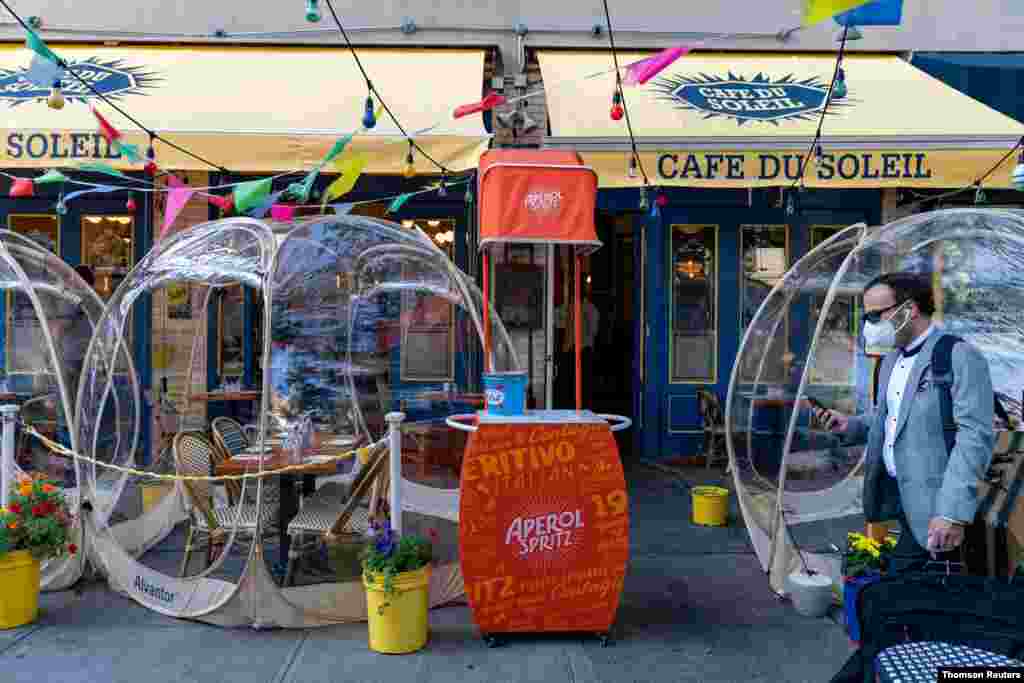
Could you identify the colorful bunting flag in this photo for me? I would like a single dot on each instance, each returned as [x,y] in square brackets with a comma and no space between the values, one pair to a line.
[51,176]
[106,169]
[644,70]
[130,151]
[36,44]
[878,13]
[815,11]
[177,198]
[44,72]
[489,102]
[400,201]
[223,203]
[351,168]
[250,194]
[261,210]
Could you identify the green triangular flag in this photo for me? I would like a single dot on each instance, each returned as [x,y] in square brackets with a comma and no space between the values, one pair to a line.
[251,194]
[106,169]
[130,151]
[51,176]
[301,190]
[399,202]
[36,44]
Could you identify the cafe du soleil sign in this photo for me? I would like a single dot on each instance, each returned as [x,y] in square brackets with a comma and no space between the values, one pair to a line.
[114,79]
[763,100]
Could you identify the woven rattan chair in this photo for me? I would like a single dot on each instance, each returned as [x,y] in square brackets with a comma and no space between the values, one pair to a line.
[194,455]
[230,440]
[323,516]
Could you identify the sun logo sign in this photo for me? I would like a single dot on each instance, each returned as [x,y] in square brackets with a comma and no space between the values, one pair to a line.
[760,99]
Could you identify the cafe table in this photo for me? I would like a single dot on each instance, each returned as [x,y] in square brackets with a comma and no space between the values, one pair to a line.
[315,464]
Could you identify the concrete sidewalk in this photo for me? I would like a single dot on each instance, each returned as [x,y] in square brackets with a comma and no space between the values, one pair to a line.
[696,607]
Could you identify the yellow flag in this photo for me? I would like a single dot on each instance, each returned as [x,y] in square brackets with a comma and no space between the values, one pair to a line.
[820,10]
[351,167]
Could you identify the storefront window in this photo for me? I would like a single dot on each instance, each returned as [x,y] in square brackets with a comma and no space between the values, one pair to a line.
[428,320]
[26,343]
[693,304]
[230,333]
[765,250]
[837,359]
[108,248]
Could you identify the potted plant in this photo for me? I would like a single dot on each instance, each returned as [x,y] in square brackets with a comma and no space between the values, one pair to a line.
[864,562]
[33,527]
[396,576]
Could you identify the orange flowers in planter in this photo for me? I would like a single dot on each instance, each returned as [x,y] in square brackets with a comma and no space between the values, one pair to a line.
[36,519]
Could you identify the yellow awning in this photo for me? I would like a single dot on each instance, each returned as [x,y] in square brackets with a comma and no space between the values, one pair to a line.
[247,109]
[746,120]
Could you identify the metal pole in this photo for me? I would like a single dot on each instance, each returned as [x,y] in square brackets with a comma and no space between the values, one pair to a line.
[394,421]
[549,332]
[8,414]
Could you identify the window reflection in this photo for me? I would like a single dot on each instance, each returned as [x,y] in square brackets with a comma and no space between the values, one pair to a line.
[765,251]
[693,304]
[837,358]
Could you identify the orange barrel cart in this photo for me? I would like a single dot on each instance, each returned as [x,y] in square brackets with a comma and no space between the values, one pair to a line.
[543,511]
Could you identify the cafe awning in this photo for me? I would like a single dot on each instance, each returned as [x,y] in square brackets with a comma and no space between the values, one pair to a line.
[746,120]
[248,109]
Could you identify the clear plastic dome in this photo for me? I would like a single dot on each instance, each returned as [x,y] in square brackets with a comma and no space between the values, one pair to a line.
[50,317]
[800,489]
[359,318]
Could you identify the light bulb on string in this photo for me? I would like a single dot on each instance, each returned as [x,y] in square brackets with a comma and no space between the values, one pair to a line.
[979,196]
[56,98]
[150,168]
[312,11]
[790,205]
[818,152]
[617,110]
[643,199]
[369,117]
[632,167]
[1017,178]
[839,88]
[410,164]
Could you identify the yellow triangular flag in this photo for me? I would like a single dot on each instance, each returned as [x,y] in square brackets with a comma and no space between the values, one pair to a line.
[820,10]
[351,167]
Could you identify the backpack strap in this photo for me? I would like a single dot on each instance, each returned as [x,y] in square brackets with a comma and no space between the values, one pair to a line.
[942,375]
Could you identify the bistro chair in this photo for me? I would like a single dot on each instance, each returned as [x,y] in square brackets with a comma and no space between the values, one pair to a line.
[194,455]
[230,440]
[322,516]
[713,420]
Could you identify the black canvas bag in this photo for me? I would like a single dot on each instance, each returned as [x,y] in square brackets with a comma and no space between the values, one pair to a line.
[974,611]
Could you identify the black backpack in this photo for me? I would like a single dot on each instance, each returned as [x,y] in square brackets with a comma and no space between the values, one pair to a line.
[942,375]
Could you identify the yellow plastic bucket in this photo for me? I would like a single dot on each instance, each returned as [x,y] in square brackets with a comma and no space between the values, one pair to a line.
[398,622]
[710,505]
[19,589]
[153,493]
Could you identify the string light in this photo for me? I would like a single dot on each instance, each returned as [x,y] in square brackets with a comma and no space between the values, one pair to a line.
[369,117]
[632,167]
[1018,173]
[150,168]
[839,89]
[312,11]
[56,98]
[410,164]
[617,110]
[979,195]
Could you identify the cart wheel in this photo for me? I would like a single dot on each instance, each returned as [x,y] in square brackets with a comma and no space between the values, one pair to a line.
[606,639]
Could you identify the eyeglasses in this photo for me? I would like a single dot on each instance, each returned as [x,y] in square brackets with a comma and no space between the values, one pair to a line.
[875,317]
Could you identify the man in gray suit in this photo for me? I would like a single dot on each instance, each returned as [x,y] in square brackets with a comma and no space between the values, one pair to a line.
[909,475]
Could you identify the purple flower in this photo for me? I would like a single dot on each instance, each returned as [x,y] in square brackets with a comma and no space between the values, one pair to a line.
[384,541]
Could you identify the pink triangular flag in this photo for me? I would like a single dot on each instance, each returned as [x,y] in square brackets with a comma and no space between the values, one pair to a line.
[640,72]
[177,198]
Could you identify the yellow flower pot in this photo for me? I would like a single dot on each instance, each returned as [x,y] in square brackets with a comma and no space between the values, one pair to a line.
[19,589]
[398,622]
[710,505]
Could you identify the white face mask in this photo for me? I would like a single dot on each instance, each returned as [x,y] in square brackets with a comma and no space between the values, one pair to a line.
[883,334]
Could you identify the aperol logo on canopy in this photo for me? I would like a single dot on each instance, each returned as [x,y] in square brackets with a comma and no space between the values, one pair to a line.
[760,98]
[113,79]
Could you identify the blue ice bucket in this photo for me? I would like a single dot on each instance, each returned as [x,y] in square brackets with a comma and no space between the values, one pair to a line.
[505,392]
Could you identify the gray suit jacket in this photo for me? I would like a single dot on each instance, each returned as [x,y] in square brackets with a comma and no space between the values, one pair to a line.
[929,482]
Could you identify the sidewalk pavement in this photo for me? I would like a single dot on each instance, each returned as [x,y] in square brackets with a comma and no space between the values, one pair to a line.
[696,607]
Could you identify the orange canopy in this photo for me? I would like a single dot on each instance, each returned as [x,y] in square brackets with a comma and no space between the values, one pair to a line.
[537,196]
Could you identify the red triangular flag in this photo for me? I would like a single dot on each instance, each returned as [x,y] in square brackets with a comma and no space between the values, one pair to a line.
[492,100]
[108,131]
[223,203]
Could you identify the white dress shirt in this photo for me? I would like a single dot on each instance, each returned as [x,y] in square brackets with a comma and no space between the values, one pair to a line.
[894,397]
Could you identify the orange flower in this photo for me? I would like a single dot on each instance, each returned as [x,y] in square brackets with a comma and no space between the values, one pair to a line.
[47,488]
[13,525]
[25,490]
